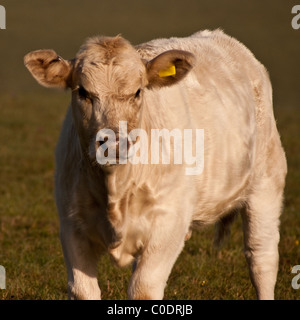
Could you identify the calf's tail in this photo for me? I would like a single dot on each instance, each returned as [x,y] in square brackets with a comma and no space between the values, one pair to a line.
[222,229]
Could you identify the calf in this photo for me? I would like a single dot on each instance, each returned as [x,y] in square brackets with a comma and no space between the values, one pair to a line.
[143,211]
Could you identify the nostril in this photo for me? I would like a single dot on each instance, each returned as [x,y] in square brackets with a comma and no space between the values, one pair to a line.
[128,144]
[99,143]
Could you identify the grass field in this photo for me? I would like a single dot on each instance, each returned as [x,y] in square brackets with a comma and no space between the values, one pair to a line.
[31,117]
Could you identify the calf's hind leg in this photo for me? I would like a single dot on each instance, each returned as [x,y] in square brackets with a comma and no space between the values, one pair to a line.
[261,236]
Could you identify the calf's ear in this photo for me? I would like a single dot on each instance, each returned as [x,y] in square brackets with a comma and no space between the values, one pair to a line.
[49,69]
[168,68]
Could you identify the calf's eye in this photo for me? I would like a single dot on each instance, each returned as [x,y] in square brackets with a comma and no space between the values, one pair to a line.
[137,94]
[83,94]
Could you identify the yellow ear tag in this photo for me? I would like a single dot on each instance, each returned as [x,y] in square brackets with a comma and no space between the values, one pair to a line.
[167,72]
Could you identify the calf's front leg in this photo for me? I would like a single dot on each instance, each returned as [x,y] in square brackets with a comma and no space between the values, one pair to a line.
[154,266]
[81,261]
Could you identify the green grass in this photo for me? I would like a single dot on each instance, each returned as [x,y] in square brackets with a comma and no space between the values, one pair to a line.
[31,117]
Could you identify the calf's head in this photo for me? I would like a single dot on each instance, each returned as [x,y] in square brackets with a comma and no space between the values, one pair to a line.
[108,79]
